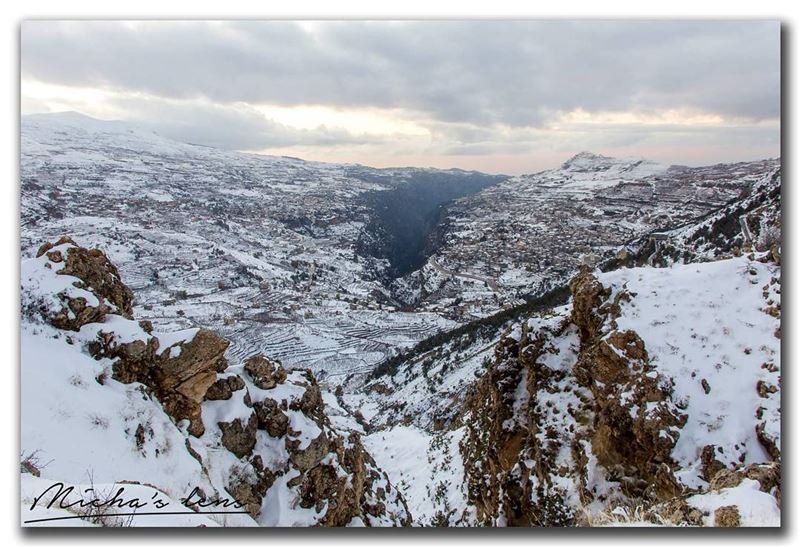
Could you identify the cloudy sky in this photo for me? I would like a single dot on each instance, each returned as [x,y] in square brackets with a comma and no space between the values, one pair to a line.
[498,96]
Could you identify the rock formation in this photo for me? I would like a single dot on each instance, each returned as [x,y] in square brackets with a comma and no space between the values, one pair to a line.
[328,471]
[574,412]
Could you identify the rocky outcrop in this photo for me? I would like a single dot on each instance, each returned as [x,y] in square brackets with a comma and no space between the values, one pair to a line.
[525,458]
[270,418]
[727,517]
[240,412]
[179,378]
[239,437]
[636,424]
[768,476]
[574,412]
[329,472]
[510,450]
[179,375]
[682,511]
[224,388]
[100,289]
[264,373]
[183,380]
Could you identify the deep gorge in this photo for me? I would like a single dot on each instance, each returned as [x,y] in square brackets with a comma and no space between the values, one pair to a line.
[404,218]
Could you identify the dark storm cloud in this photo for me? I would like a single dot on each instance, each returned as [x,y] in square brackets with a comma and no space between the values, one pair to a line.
[512,73]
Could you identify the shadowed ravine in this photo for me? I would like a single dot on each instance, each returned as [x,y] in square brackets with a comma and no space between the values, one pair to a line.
[405,217]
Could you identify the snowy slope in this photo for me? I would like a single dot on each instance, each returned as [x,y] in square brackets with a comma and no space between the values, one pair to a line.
[532,232]
[110,403]
[709,322]
[567,417]
[712,340]
[261,248]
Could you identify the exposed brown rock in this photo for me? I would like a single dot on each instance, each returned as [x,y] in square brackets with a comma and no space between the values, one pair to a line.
[727,517]
[204,353]
[770,444]
[351,495]
[497,444]
[616,368]
[711,466]
[336,474]
[311,402]
[271,418]
[223,389]
[249,488]
[319,485]
[96,274]
[768,476]
[588,294]
[99,276]
[305,459]
[55,256]
[678,512]
[181,408]
[265,374]
[78,313]
[179,382]
[380,388]
[239,438]
[764,389]
[634,428]
[46,246]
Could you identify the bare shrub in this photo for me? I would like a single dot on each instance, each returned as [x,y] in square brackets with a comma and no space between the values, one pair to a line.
[32,463]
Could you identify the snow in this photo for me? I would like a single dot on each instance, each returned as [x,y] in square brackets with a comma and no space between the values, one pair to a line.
[280,509]
[83,427]
[86,430]
[169,339]
[124,330]
[210,237]
[706,321]
[37,279]
[419,464]
[756,508]
[236,271]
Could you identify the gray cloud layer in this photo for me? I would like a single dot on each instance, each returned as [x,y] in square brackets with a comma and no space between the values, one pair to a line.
[461,80]
[485,72]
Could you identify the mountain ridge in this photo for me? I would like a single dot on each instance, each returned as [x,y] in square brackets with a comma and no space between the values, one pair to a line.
[548,332]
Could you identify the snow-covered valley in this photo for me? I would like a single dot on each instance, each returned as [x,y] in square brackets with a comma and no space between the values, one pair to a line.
[332,344]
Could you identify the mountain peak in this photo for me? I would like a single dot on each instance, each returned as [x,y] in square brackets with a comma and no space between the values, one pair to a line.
[589,160]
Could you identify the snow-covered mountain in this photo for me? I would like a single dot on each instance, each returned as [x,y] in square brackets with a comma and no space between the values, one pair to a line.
[332,344]
[301,259]
[275,253]
[530,233]
[651,396]
[596,167]
[108,403]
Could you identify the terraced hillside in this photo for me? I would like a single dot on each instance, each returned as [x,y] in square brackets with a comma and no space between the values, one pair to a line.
[310,262]
[591,344]
[531,233]
[649,394]
[270,251]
